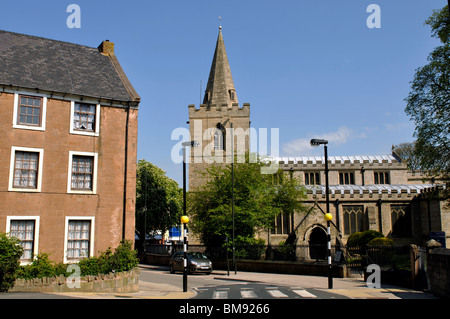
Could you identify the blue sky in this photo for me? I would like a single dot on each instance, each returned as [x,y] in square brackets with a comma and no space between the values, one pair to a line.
[308,68]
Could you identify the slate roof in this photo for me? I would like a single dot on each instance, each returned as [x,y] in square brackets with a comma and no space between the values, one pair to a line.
[56,66]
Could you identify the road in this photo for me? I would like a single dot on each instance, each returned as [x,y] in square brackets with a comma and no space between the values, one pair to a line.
[247,285]
[156,282]
[219,286]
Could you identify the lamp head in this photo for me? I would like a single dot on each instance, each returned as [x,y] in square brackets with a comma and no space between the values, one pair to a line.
[190,143]
[317,142]
[184,219]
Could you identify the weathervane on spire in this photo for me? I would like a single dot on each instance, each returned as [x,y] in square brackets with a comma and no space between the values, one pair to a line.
[220,22]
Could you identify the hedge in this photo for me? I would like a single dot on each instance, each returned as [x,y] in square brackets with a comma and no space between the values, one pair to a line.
[10,252]
[122,259]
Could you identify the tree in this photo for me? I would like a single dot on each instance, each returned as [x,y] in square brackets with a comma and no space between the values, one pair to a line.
[158,200]
[257,201]
[428,103]
[10,253]
[407,153]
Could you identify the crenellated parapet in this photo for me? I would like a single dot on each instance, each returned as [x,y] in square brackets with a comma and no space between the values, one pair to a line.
[369,192]
[340,162]
[219,110]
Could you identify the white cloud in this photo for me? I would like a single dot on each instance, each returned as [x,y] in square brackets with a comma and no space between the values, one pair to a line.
[302,146]
[401,126]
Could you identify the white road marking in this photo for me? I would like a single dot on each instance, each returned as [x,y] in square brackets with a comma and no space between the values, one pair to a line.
[276,293]
[220,294]
[248,294]
[304,293]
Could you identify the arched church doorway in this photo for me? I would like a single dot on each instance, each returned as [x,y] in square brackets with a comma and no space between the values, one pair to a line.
[318,244]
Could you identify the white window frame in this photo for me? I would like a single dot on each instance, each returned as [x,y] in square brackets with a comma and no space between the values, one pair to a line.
[11,187]
[97,120]
[66,236]
[94,175]
[36,232]
[43,115]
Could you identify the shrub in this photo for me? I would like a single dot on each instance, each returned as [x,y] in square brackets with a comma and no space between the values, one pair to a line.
[381,241]
[361,239]
[284,251]
[123,259]
[249,248]
[354,239]
[10,253]
[41,267]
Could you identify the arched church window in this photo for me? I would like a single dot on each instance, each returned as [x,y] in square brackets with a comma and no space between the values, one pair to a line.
[219,137]
[353,219]
[401,220]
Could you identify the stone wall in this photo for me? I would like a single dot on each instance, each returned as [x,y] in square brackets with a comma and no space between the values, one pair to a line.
[266,266]
[438,269]
[121,282]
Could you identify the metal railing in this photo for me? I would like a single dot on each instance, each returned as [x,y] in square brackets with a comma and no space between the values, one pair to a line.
[397,257]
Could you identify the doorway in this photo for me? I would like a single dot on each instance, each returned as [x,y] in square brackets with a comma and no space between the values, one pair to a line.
[318,244]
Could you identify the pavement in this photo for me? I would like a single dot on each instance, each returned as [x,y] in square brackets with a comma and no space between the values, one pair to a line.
[354,288]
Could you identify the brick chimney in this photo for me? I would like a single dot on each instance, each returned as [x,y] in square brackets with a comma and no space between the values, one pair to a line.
[106,47]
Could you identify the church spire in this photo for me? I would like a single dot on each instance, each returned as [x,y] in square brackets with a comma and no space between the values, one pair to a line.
[220,88]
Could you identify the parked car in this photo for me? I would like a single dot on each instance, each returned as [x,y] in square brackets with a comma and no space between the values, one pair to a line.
[196,263]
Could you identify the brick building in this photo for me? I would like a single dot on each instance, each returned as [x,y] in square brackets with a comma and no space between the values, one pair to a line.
[367,192]
[68,154]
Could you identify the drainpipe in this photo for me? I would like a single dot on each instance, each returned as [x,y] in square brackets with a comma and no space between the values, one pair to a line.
[337,216]
[380,219]
[124,215]
[362,175]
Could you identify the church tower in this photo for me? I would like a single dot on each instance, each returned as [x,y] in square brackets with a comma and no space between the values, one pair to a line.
[217,121]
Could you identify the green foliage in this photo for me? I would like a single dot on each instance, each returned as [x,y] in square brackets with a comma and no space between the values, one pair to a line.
[249,248]
[122,259]
[159,200]
[361,239]
[41,267]
[10,253]
[284,251]
[381,241]
[407,152]
[257,201]
[440,24]
[428,103]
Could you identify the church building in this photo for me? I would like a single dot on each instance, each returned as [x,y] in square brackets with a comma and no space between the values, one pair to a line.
[366,192]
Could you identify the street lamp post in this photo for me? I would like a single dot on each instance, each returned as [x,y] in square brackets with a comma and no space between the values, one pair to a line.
[185,219]
[232,196]
[328,216]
